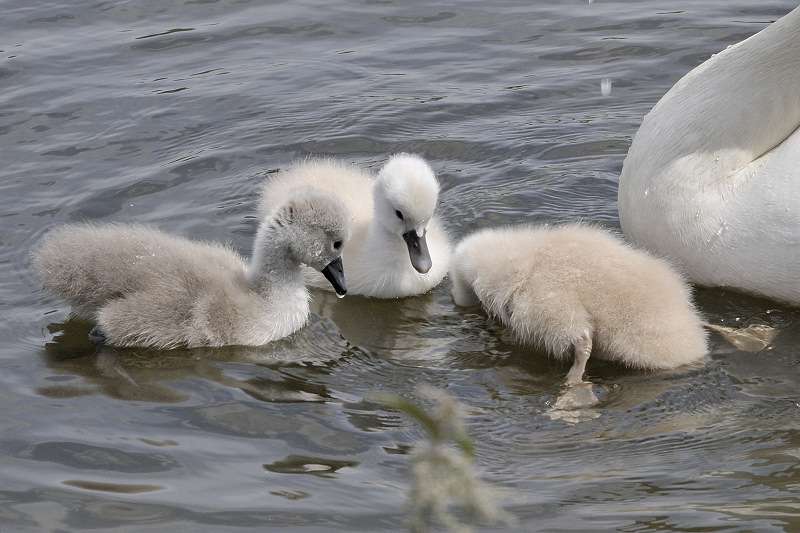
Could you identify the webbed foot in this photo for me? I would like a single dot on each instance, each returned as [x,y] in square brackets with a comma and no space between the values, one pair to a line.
[97,336]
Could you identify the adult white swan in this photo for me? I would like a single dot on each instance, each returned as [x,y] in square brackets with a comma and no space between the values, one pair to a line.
[712,178]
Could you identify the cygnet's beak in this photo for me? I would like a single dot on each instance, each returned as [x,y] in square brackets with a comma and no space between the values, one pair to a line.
[334,273]
[418,251]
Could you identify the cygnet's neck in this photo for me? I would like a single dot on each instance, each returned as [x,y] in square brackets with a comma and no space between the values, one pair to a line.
[377,232]
[272,266]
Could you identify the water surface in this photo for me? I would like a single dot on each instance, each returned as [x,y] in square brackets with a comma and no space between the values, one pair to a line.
[171,113]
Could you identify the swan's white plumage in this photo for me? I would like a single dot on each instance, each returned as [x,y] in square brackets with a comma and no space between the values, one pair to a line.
[144,287]
[377,258]
[712,178]
[560,287]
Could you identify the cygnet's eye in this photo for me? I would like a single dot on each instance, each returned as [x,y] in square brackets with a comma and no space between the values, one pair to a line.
[337,245]
[399,215]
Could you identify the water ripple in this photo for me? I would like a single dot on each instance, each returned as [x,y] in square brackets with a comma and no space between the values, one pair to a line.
[171,114]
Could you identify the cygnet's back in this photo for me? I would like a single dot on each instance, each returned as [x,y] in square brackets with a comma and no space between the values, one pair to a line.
[398,246]
[147,288]
[91,264]
[557,288]
[349,183]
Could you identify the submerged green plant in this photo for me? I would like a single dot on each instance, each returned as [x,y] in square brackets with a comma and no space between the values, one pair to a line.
[443,477]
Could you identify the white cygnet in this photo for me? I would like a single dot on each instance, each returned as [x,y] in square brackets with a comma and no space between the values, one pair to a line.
[579,288]
[144,287]
[398,247]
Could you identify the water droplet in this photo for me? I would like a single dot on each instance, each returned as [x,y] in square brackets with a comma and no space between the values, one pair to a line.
[605,86]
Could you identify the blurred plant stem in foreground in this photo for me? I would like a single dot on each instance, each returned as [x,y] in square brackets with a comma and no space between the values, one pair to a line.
[443,477]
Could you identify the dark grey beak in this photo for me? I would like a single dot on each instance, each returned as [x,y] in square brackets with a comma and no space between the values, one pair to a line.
[334,273]
[418,251]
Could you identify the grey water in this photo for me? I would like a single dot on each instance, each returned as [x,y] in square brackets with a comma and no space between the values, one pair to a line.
[172,112]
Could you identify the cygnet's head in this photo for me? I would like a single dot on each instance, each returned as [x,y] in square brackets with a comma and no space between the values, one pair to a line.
[405,195]
[319,225]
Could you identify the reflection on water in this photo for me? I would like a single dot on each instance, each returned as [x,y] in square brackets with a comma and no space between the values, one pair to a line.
[144,374]
[399,328]
[172,113]
[111,487]
[303,464]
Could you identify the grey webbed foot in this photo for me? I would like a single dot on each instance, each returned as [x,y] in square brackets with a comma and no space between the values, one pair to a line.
[97,336]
